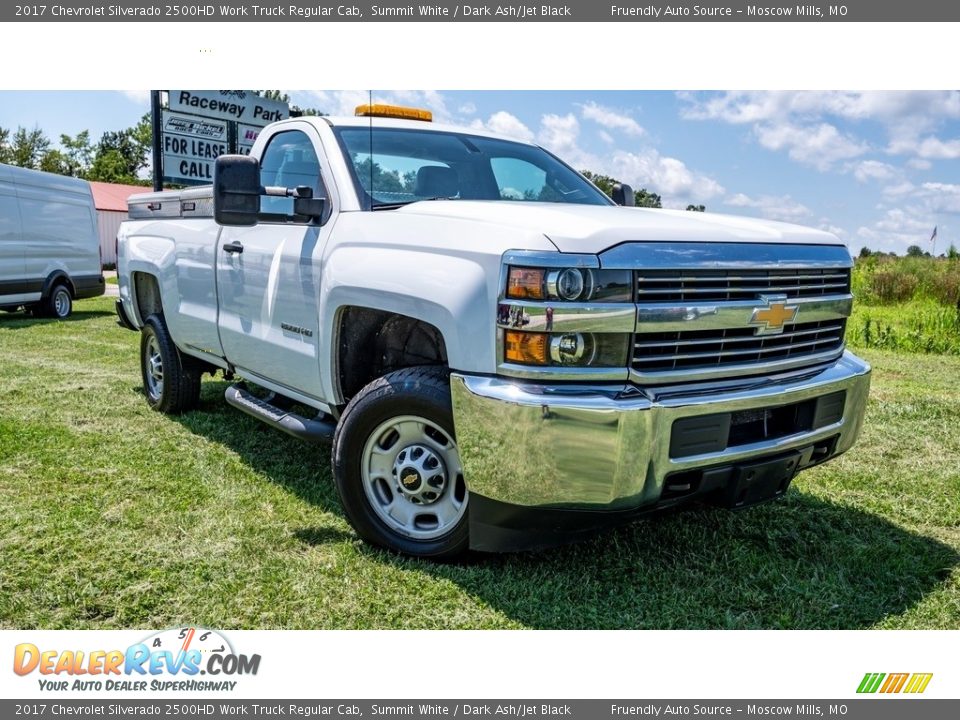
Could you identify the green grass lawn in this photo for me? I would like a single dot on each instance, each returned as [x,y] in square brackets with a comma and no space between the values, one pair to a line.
[115,516]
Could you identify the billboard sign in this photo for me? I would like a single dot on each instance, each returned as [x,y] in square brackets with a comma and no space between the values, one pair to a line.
[236,105]
[200,125]
[190,146]
[246,136]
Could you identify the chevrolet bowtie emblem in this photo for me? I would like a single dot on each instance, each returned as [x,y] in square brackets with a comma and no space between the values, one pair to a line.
[771,318]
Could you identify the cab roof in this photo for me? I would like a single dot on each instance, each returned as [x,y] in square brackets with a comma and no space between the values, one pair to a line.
[380,122]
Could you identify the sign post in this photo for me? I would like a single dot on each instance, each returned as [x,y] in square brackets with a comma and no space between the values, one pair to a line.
[157,142]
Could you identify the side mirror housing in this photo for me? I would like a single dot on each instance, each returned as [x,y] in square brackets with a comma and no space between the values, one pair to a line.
[304,203]
[236,190]
[623,195]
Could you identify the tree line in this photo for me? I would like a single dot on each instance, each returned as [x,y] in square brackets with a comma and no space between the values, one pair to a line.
[913,251]
[117,157]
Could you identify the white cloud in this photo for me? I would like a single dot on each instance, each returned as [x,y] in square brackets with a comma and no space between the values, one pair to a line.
[667,176]
[873,170]
[611,119]
[940,197]
[503,123]
[826,226]
[928,199]
[468,108]
[931,148]
[676,183]
[819,146]
[896,230]
[141,97]
[919,164]
[774,207]
[606,137]
[892,108]
[899,189]
[334,102]
[558,133]
[909,117]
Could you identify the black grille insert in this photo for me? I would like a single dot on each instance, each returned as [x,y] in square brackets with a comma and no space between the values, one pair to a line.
[701,286]
[707,349]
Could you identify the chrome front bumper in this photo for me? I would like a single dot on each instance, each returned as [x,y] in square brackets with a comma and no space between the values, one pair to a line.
[609,448]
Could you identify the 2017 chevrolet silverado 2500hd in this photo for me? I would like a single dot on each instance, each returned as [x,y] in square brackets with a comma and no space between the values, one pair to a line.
[501,356]
[49,245]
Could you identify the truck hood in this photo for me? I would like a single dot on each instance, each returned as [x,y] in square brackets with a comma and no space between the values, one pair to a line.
[595,228]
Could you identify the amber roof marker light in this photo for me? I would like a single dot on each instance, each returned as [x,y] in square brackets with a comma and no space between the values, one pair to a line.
[393,111]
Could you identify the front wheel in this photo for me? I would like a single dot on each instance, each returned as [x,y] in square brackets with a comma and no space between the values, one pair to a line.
[171,382]
[397,467]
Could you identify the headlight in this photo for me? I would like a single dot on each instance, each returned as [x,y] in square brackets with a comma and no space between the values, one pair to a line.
[569,284]
[569,349]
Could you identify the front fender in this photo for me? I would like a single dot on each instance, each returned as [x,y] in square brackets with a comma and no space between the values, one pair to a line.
[455,294]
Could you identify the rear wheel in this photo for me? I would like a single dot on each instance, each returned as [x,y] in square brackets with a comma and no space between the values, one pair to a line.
[171,381]
[397,466]
[58,304]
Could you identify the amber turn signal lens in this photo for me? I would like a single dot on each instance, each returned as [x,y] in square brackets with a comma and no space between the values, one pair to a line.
[525,283]
[526,347]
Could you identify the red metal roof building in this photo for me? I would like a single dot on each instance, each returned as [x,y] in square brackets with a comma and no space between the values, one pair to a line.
[110,200]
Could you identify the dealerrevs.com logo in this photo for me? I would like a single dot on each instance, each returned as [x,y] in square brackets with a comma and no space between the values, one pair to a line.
[179,659]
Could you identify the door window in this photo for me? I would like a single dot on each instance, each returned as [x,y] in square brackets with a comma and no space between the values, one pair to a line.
[289,161]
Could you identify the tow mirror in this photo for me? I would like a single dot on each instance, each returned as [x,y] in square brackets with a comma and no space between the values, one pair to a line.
[236,190]
[623,195]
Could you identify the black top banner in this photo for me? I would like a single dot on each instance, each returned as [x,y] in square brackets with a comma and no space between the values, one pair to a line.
[448,11]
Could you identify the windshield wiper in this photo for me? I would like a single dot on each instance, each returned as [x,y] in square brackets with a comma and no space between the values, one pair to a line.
[390,206]
[394,206]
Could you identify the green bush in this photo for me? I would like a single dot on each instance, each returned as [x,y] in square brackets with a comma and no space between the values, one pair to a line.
[918,326]
[884,280]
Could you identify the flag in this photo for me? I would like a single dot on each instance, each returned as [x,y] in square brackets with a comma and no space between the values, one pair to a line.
[934,236]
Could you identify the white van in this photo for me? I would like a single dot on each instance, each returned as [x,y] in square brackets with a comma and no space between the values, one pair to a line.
[49,245]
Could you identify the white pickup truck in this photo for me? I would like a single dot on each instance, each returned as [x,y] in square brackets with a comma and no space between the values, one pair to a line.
[501,356]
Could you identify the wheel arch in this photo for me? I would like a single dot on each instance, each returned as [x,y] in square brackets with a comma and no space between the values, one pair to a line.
[145,295]
[370,342]
[57,277]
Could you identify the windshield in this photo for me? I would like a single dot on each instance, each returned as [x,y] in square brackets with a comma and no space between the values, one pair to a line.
[409,165]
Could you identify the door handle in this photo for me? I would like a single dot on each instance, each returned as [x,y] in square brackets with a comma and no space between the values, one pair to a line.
[233,247]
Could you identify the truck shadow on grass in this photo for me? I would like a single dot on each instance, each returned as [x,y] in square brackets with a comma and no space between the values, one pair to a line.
[22,319]
[802,562]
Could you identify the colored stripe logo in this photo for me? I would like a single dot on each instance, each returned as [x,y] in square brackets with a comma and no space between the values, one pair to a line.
[894,683]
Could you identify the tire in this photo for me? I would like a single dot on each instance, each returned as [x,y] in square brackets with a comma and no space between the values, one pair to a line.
[58,304]
[171,381]
[397,468]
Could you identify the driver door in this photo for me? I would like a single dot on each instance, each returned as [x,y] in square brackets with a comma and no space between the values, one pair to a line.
[268,275]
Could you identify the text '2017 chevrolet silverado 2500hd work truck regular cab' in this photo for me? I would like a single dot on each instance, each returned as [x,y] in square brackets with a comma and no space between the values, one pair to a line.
[501,356]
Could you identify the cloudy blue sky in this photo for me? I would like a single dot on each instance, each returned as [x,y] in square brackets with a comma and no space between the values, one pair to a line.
[879,169]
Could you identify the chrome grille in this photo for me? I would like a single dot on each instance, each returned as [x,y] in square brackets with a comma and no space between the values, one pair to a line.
[663,352]
[719,285]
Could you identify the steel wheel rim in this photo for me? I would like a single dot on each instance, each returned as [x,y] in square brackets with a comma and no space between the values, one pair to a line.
[396,450]
[153,367]
[61,303]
